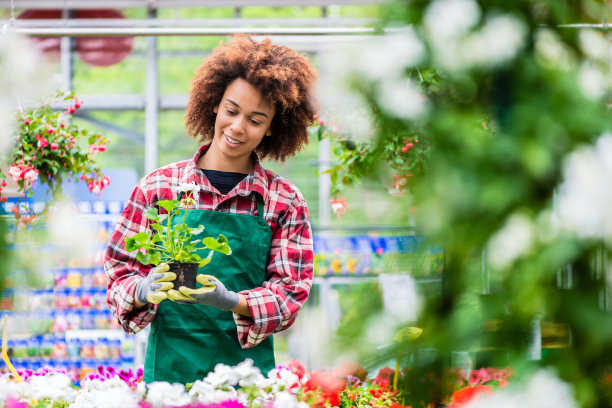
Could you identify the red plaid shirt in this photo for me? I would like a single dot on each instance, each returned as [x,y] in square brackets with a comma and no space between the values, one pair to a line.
[275,304]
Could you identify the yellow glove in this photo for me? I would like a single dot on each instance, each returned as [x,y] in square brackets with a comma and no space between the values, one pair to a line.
[154,288]
[212,293]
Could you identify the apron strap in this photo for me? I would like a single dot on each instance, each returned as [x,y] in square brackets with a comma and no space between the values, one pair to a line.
[260,206]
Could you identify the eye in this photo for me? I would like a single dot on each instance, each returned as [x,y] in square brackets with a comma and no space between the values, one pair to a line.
[230,111]
[255,122]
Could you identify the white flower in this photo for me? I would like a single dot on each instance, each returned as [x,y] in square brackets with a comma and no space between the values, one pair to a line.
[55,386]
[585,196]
[514,239]
[496,43]
[447,20]
[594,44]
[283,377]
[207,394]
[593,81]
[112,393]
[8,389]
[387,56]
[185,187]
[551,51]
[400,98]
[161,394]
[544,390]
[287,400]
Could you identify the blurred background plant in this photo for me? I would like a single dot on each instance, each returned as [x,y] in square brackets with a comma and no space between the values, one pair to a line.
[491,117]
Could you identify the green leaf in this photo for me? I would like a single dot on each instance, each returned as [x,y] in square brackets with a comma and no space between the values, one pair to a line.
[169,205]
[158,227]
[206,260]
[156,238]
[141,237]
[152,214]
[196,231]
[220,244]
[148,259]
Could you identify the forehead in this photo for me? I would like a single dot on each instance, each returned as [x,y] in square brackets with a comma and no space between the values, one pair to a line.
[247,97]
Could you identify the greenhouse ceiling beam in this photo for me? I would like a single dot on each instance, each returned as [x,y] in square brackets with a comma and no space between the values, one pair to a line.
[159,4]
[184,31]
[194,23]
[128,102]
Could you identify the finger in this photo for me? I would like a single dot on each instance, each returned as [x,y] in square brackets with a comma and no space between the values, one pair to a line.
[206,280]
[165,277]
[156,297]
[164,286]
[188,291]
[162,267]
[174,294]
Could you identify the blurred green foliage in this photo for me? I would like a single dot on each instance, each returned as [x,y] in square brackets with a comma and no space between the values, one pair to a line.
[496,136]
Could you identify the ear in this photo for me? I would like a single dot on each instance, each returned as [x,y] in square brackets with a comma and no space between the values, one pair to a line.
[216,109]
[268,132]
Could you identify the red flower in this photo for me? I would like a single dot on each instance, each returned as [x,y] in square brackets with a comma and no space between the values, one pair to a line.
[384,376]
[296,368]
[466,394]
[53,146]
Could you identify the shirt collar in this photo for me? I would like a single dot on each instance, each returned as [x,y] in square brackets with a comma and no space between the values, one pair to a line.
[256,180]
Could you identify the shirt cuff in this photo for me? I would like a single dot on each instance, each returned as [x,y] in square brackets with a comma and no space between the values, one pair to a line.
[253,330]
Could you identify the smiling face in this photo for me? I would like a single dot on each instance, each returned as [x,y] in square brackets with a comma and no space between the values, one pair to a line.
[243,120]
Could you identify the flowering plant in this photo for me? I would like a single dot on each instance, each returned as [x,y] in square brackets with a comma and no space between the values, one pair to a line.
[241,386]
[172,242]
[47,148]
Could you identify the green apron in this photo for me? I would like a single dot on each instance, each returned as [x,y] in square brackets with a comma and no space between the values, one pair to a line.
[187,341]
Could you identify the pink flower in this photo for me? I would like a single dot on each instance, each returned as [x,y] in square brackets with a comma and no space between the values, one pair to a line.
[3,183]
[102,148]
[15,172]
[94,187]
[27,121]
[42,143]
[53,146]
[31,175]
[105,181]
[93,148]
[50,130]
[339,207]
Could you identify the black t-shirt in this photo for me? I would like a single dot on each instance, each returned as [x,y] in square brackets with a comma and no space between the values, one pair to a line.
[224,181]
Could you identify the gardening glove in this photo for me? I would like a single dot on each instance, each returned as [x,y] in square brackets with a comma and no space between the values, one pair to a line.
[212,293]
[154,288]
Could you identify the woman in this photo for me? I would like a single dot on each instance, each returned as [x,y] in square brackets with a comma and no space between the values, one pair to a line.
[249,100]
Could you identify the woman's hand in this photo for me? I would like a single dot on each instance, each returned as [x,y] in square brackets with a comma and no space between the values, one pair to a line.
[212,293]
[154,288]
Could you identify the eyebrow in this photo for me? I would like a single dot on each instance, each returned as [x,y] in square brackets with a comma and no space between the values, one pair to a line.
[238,106]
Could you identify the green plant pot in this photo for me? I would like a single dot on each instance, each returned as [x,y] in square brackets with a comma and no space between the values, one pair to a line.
[185,274]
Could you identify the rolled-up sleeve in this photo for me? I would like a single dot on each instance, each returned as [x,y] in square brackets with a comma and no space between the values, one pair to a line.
[274,306]
[124,271]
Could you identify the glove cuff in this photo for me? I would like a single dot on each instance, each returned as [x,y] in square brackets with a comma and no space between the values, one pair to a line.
[229,302]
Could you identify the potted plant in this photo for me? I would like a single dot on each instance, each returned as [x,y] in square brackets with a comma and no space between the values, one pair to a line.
[172,242]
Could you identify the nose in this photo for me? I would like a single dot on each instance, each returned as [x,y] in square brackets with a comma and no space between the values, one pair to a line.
[237,125]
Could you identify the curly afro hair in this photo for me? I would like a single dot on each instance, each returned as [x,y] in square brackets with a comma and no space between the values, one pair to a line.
[281,74]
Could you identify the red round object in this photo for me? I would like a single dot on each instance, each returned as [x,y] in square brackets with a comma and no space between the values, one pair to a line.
[98,51]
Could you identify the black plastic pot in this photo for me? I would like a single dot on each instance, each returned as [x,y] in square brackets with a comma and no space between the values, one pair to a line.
[185,274]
